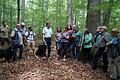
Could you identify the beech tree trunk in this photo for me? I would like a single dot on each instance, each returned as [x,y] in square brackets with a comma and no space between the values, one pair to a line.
[107,14]
[18,11]
[69,12]
[93,15]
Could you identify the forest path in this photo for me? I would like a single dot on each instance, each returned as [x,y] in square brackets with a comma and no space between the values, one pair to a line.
[51,69]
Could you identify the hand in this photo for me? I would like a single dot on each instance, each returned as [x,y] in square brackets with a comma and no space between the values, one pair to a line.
[107,44]
[79,46]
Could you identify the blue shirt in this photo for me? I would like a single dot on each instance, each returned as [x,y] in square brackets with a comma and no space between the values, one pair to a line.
[114,40]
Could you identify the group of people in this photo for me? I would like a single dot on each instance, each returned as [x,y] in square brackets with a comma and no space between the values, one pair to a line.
[20,37]
[70,43]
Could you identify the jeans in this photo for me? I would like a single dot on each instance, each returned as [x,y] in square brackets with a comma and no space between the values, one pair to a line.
[58,44]
[74,51]
[48,42]
[63,50]
[101,52]
[15,49]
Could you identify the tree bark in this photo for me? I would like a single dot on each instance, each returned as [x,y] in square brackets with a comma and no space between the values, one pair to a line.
[22,10]
[107,14]
[93,15]
[69,12]
[18,11]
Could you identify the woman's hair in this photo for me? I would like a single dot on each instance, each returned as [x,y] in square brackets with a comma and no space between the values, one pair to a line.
[58,29]
[66,28]
[70,27]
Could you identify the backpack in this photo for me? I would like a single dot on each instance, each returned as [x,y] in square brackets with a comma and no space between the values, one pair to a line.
[30,34]
[16,38]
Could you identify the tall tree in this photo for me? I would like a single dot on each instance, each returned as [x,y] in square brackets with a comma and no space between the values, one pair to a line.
[69,12]
[22,10]
[18,11]
[107,13]
[93,15]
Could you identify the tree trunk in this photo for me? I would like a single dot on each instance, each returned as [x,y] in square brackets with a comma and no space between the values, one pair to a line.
[4,10]
[57,13]
[18,11]
[69,12]
[43,12]
[93,15]
[22,10]
[107,14]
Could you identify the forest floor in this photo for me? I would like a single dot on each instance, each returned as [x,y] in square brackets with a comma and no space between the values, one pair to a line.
[51,69]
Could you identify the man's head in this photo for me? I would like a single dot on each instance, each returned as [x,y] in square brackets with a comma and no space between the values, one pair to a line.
[30,27]
[48,24]
[75,27]
[4,23]
[103,29]
[114,31]
[98,28]
[18,26]
[22,24]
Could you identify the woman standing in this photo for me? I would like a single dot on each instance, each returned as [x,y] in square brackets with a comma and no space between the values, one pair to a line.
[58,38]
[86,46]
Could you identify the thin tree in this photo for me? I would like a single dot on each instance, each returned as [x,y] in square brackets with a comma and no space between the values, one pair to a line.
[69,12]
[18,11]
[23,10]
[107,13]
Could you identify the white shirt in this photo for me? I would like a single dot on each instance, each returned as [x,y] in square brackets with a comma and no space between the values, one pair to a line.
[20,35]
[30,35]
[47,32]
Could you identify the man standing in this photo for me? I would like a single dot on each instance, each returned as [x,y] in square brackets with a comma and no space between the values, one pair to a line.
[47,34]
[103,39]
[114,50]
[17,42]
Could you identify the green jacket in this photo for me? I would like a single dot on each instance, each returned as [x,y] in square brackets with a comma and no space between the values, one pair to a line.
[77,36]
[87,41]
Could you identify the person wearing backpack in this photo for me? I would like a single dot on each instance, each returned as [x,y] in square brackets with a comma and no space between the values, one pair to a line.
[17,42]
[30,37]
[23,31]
[103,39]
[113,49]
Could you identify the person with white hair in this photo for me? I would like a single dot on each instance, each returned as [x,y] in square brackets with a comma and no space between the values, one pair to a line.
[114,51]
[103,39]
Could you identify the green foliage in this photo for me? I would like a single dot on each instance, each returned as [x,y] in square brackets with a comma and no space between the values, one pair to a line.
[38,12]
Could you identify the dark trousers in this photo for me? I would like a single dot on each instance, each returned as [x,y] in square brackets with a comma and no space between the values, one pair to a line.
[4,40]
[15,49]
[74,51]
[86,55]
[48,42]
[63,50]
[101,52]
